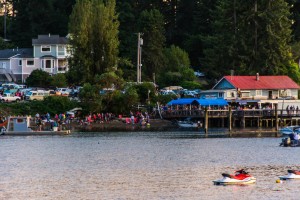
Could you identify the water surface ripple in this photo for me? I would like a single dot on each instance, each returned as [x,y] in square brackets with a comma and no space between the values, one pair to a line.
[142,165]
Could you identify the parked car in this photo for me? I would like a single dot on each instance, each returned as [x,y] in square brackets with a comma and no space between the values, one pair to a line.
[168,92]
[8,97]
[36,95]
[64,91]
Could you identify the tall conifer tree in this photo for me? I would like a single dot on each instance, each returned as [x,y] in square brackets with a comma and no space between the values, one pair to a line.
[94,39]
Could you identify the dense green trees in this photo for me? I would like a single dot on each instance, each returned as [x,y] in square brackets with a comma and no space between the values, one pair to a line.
[218,35]
[34,17]
[249,37]
[94,38]
[151,24]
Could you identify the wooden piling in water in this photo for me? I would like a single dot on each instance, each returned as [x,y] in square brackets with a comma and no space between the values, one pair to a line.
[206,121]
[276,118]
[230,119]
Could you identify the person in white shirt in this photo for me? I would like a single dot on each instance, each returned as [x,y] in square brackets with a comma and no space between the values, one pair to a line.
[296,136]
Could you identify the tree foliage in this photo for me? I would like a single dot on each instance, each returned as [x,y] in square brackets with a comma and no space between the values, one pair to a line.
[59,80]
[34,17]
[94,39]
[249,37]
[39,78]
[151,24]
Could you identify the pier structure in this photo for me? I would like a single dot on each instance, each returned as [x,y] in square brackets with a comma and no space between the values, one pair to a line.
[232,118]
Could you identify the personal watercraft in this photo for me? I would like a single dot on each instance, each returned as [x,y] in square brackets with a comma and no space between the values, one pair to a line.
[292,174]
[240,177]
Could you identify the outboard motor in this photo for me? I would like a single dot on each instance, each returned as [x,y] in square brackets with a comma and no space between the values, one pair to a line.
[286,142]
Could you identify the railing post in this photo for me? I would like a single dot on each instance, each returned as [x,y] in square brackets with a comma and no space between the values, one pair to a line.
[230,119]
[276,118]
[206,121]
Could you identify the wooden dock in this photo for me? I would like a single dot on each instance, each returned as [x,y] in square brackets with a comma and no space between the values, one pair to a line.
[254,118]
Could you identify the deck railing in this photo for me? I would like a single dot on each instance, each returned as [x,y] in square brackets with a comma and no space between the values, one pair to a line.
[225,113]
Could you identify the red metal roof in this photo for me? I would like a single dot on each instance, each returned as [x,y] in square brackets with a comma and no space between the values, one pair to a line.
[264,82]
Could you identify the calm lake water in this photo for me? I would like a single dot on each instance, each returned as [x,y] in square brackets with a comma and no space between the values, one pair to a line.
[142,165]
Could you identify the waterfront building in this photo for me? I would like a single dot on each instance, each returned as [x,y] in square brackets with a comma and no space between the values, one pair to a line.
[256,89]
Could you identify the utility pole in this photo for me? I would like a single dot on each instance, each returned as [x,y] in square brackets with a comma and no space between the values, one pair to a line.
[139,58]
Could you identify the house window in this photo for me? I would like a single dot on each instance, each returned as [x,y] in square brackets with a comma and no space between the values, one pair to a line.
[30,63]
[46,48]
[220,95]
[20,62]
[4,65]
[258,92]
[245,94]
[48,63]
[288,93]
[61,50]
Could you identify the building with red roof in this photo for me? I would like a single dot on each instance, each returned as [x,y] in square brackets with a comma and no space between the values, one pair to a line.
[257,87]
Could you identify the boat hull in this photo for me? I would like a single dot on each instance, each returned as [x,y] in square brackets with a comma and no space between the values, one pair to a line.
[289,176]
[230,181]
[195,125]
[30,133]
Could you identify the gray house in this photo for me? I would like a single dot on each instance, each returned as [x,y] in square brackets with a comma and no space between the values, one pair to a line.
[49,53]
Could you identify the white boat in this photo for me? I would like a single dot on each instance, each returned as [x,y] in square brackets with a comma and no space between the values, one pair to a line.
[20,125]
[292,174]
[188,124]
[241,177]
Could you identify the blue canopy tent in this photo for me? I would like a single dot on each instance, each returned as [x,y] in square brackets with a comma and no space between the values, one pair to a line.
[183,101]
[211,102]
[201,102]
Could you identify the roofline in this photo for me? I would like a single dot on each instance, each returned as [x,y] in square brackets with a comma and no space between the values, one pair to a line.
[221,80]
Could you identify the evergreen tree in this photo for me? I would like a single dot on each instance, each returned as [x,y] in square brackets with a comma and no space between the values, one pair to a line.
[151,24]
[34,17]
[249,37]
[94,39]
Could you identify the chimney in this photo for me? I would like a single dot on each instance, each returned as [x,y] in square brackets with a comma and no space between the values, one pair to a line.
[257,76]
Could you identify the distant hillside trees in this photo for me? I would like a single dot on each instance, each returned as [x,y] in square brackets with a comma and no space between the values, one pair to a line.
[35,17]
[249,37]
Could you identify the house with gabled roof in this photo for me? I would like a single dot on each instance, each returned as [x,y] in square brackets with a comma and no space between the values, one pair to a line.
[258,89]
[49,53]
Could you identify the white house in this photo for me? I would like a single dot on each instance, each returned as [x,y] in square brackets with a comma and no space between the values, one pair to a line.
[49,53]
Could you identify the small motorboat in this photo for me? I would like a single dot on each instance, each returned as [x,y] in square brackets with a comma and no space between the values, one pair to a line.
[241,177]
[292,174]
[288,142]
[290,130]
[188,123]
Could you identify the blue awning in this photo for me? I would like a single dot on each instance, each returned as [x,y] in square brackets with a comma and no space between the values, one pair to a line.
[183,101]
[201,102]
[211,102]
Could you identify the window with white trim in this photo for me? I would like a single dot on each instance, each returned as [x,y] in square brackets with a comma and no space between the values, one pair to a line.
[30,63]
[4,65]
[258,92]
[245,94]
[20,62]
[46,48]
[220,95]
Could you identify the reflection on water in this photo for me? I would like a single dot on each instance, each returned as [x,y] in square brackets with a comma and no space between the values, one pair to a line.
[142,165]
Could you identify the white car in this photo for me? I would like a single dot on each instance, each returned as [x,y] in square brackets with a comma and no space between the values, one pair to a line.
[7,97]
[64,91]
